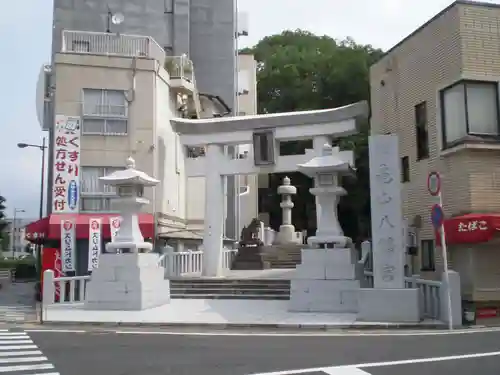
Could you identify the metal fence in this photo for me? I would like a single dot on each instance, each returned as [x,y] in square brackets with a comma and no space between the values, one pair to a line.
[111,44]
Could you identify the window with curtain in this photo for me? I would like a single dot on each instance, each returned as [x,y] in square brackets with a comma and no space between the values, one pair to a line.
[469,108]
[104,112]
[95,196]
[427,260]
[421,131]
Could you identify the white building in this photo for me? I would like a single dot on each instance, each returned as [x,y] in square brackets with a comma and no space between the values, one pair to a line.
[124,90]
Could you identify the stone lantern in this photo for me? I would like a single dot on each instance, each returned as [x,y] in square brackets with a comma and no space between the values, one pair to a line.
[326,171]
[130,280]
[286,232]
[129,184]
[327,279]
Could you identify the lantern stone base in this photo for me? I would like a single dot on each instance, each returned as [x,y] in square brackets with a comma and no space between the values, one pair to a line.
[133,281]
[389,305]
[325,281]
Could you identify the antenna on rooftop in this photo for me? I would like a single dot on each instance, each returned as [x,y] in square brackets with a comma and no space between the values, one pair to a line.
[113,18]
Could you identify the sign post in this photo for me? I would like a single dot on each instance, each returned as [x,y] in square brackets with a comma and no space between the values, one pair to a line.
[437,218]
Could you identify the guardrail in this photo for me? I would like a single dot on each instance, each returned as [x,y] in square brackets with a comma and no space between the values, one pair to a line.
[430,296]
[71,289]
[191,262]
[111,44]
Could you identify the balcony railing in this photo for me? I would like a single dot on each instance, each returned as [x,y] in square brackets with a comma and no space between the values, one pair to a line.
[109,44]
[180,67]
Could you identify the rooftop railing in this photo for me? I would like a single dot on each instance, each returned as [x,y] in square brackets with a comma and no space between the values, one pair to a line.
[111,44]
[180,67]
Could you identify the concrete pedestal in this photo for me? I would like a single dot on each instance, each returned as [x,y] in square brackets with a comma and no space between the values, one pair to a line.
[132,281]
[325,282]
[389,305]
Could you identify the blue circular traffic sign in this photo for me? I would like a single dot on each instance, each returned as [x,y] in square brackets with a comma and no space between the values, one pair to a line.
[437,216]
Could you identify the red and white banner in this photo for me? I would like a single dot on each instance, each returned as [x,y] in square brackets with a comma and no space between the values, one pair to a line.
[95,242]
[51,260]
[114,226]
[68,245]
[66,167]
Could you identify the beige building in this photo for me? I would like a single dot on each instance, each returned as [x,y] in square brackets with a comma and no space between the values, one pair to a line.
[438,90]
[126,91]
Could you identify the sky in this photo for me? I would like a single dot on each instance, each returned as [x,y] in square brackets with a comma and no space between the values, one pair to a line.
[25,41]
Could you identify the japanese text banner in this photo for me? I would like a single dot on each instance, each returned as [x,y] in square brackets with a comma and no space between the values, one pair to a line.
[95,242]
[66,167]
[68,245]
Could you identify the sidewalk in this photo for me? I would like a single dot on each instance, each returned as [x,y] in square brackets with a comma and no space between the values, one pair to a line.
[219,313]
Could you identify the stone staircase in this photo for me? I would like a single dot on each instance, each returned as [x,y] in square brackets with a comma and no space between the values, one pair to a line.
[283,256]
[263,289]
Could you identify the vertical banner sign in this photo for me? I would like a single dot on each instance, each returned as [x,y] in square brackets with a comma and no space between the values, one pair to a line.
[95,241]
[114,226]
[387,216]
[68,244]
[66,180]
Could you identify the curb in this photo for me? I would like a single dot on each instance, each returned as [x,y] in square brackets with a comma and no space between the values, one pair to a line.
[263,326]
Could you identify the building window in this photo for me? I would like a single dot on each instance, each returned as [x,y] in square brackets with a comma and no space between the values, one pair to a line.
[427,259]
[469,108]
[104,112]
[422,131]
[405,169]
[95,196]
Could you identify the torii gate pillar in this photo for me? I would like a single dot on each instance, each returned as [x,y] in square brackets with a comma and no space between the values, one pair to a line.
[214,212]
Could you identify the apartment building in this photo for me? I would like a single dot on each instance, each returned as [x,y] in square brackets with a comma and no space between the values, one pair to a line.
[438,90]
[15,231]
[205,31]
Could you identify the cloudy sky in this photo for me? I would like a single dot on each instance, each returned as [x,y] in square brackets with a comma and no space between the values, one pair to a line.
[25,30]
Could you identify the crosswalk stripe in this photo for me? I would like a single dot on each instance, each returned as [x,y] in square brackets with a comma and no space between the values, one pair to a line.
[20,341]
[44,366]
[18,347]
[20,353]
[23,359]
[4,335]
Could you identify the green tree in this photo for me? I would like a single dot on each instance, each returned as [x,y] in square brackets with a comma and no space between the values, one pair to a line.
[298,70]
[4,236]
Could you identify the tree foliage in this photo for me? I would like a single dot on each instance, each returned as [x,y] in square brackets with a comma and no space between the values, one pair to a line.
[298,70]
[4,237]
[3,222]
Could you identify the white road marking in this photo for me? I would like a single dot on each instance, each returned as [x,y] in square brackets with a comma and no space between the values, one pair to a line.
[18,347]
[330,333]
[8,335]
[24,340]
[346,371]
[58,330]
[332,369]
[44,366]
[19,354]
[23,359]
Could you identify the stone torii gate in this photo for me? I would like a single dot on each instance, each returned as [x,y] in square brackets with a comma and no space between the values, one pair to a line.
[264,132]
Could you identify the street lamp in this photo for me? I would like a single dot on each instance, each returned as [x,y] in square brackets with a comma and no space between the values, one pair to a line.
[14,227]
[42,148]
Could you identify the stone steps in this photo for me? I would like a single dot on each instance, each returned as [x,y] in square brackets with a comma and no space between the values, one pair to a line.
[278,289]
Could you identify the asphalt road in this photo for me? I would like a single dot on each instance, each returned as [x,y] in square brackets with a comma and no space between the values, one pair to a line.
[153,354]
